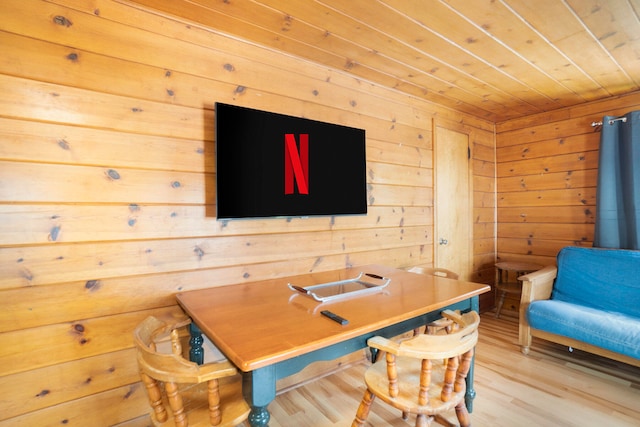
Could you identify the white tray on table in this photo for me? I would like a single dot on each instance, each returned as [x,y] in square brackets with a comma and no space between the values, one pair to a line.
[364,284]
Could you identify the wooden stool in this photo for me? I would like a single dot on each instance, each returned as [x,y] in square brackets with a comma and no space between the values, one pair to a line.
[504,286]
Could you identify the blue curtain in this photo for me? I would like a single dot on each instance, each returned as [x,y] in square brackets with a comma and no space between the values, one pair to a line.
[618,193]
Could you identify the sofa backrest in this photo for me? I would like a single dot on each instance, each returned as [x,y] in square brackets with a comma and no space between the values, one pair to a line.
[607,279]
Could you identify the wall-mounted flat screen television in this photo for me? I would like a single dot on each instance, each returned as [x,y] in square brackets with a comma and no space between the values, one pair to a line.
[274,165]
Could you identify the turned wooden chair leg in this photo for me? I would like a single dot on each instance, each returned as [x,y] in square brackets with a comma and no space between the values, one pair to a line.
[423,421]
[463,415]
[155,397]
[177,407]
[363,409]
[215,415]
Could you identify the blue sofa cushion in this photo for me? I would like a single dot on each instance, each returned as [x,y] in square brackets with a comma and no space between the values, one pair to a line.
[613,331]
[607,279]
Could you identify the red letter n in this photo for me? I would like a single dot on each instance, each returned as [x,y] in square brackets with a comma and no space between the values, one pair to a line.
[296,163]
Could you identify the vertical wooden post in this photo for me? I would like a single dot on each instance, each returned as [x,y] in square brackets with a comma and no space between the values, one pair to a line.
[196,353]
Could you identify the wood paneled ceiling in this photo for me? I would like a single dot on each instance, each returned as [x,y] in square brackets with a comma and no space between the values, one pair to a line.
[495,59]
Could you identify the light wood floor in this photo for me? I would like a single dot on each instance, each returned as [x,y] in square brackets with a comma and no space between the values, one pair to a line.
[549,387]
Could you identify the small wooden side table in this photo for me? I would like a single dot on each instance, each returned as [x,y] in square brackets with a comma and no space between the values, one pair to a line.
[504,285]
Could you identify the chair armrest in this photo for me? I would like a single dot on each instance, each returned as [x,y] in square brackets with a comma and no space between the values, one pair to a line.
[215,370]
[382,344]
[538,285]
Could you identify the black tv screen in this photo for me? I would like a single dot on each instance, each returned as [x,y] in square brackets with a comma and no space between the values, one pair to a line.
[274,165]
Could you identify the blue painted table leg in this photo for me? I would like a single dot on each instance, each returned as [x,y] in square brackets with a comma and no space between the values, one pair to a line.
[471,391]
[196,352]
[259,389]
[259,416]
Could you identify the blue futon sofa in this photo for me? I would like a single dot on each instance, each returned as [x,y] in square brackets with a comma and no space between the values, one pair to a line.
[590,301]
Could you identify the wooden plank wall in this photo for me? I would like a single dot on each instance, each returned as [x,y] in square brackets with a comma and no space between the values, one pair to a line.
[107,192]
[546,178]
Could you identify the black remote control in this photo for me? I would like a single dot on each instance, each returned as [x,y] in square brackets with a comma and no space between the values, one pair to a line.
[334,317]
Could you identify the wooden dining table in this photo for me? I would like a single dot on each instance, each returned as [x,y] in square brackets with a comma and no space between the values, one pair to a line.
[270,331]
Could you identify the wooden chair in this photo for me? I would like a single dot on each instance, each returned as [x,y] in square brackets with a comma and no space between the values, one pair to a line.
[440,324]
[423,375]
[197,395]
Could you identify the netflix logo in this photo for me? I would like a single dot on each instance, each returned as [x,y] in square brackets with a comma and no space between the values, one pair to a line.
[296,163]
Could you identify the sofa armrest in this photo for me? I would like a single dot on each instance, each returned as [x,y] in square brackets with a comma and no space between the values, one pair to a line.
[535,286]
[538,285]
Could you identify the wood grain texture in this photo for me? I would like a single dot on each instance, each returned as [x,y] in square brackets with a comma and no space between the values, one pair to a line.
[496,60]
[107,191]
